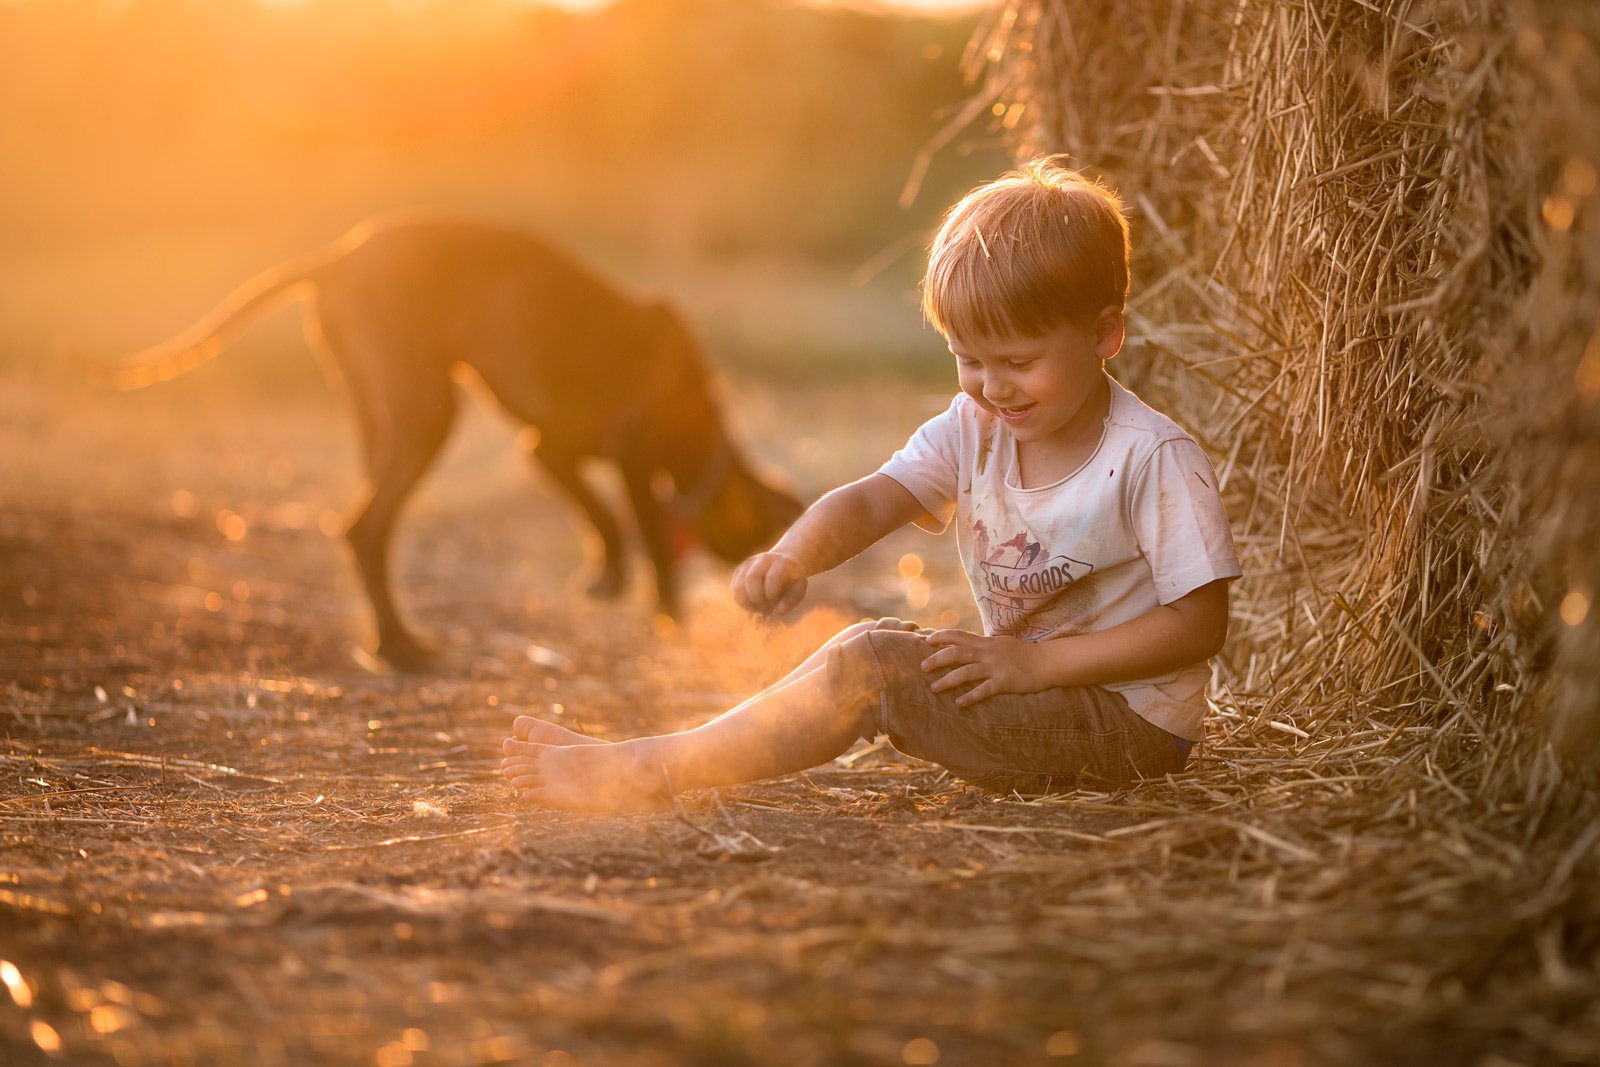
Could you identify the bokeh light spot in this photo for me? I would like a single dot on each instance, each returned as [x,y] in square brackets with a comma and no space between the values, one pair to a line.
[109,1018]
[1575,607]
[1063,1043]
[1558,213]
[232,525]
[12,978]
[45,1036]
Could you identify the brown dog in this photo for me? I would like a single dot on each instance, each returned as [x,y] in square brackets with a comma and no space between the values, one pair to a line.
[399,304]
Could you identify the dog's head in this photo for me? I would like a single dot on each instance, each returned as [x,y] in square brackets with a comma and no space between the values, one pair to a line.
[743,516]
[731,510]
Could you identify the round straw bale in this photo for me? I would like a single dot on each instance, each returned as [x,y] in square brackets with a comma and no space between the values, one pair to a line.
[1367,277]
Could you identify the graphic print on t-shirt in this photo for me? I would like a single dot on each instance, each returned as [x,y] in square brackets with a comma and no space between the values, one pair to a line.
[1016,582]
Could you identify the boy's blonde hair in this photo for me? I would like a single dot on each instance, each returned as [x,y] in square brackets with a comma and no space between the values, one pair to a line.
[1037,248]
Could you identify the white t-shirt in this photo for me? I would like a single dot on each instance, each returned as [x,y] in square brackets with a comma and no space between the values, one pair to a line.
[1138,525]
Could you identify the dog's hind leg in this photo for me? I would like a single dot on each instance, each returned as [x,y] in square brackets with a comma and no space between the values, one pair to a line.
[404,422]
[562,465]
[399,463]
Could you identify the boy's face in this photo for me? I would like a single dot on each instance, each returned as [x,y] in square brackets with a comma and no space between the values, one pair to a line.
[1046,389]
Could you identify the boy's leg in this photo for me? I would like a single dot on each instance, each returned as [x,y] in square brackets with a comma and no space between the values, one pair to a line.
[867,683]
[803,723]
[820,656]
[543,732]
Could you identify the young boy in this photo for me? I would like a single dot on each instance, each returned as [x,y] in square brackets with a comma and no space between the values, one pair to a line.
[1090,528]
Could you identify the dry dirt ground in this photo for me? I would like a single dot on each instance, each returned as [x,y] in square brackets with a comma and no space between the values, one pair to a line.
[221,841]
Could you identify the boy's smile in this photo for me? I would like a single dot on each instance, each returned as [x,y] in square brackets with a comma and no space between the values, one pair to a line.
[1050,391]
[1015,415]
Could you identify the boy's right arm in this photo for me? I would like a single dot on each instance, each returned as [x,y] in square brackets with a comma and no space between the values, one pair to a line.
[839,526]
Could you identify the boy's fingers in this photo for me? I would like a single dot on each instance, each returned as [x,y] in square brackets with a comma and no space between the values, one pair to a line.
[778,594]
[757,584]
[747,587]
[940,638]
[982,691]
[956,678]
[951,656]
[776,580]
[791,599]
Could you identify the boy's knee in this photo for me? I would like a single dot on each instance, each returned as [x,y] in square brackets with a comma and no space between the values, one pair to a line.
[867,626]
[870,665]
[850,633]
[875,659]
[897,654]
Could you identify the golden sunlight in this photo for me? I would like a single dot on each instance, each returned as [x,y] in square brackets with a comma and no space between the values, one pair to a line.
[1575,607]
[45,1036]
[207,141]
[12,979]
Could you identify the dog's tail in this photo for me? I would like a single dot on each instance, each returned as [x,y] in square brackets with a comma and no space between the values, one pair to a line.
[252,301]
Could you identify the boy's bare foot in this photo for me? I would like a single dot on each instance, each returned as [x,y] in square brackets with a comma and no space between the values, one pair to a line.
[586,777]
[541,732]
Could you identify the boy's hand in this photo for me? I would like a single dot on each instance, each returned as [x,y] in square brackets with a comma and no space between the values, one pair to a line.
[996,664]
[769,583]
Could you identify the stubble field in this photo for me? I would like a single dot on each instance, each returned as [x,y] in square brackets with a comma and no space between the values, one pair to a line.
[222,841]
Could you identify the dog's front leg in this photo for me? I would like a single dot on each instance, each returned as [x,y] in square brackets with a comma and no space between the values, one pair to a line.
[652,522]
[562,465]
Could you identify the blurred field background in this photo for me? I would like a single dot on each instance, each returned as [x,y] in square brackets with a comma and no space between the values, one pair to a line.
[748,160]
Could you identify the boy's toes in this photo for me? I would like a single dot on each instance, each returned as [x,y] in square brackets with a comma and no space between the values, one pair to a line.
[512,746]
[520,771]
[523,725]
[524,779]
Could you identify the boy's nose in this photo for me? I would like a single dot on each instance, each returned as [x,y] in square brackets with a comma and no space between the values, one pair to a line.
[996,390]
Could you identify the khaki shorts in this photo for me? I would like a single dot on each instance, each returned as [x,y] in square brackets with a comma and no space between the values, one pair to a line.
[1030,743]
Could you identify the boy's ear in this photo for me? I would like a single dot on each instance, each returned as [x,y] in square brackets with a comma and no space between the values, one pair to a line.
[1109,332]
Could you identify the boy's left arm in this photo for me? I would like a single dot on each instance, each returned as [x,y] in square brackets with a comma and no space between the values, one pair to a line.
[1167,638]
